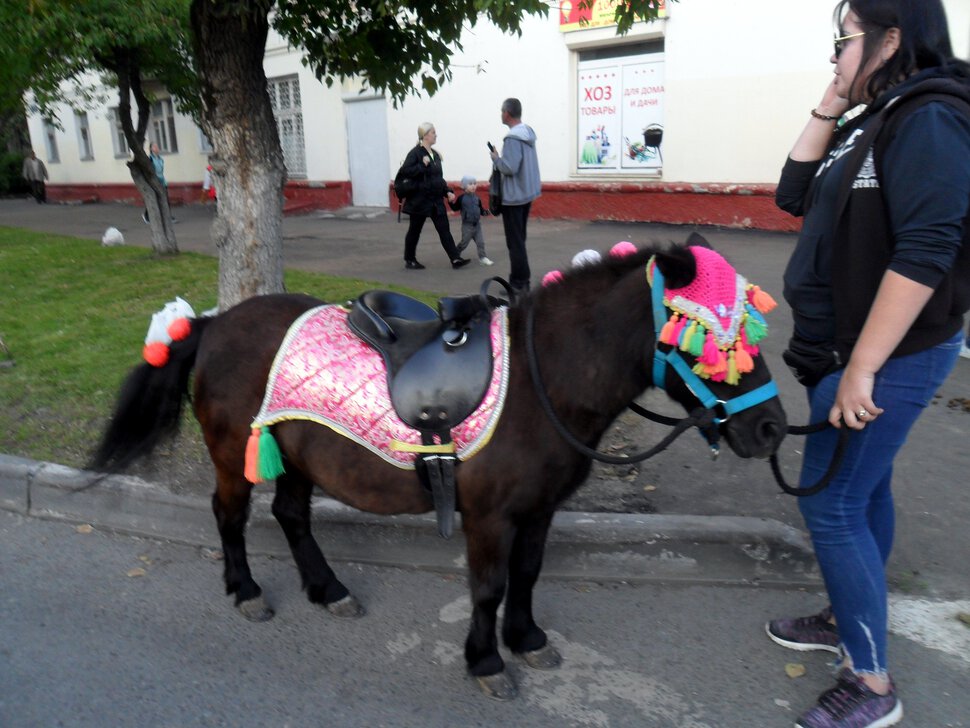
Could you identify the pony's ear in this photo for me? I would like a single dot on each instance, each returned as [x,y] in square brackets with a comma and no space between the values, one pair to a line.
[677,265]
[698,240]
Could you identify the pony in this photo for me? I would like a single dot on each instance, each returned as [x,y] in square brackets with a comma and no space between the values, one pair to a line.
[593,336]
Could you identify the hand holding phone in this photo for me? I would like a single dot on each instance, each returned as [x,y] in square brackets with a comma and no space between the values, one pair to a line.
[491,147]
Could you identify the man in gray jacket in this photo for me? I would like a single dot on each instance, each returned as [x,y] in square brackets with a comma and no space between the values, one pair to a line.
[519,166]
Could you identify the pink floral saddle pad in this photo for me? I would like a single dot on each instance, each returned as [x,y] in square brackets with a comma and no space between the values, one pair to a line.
[325,374]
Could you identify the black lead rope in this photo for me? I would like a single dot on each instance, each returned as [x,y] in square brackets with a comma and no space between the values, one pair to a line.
[834,466]
[700,417]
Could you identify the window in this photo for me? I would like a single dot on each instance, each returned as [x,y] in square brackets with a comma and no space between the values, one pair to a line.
[118,141]
[284,96]
[85,150]
[162,126]
[620,109]
[50,139]
[205,146]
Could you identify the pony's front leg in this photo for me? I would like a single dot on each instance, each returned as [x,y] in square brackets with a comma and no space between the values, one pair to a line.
[291,507]
[489,542]
[230,504]
[519,631]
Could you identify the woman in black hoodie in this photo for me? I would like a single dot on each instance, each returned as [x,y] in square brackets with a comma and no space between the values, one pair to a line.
[878,284]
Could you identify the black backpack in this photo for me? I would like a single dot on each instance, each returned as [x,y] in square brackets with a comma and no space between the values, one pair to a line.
[404,186]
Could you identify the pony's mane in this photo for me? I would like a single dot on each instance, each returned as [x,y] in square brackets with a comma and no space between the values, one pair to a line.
[578,278]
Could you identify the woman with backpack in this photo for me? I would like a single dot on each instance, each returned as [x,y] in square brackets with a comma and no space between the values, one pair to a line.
[422,169]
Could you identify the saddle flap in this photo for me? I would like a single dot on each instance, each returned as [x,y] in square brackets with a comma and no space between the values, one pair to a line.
[445,380]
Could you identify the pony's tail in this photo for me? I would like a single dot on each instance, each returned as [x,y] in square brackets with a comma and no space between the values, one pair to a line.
[149,406]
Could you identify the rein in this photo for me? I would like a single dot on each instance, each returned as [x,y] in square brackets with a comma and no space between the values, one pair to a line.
[712,412]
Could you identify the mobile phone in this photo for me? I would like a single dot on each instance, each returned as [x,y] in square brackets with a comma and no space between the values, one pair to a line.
[491,148]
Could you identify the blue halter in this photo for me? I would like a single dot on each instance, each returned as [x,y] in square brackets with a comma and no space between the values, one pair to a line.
[694,383]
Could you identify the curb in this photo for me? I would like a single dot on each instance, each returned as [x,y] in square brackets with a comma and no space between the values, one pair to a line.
[607,547]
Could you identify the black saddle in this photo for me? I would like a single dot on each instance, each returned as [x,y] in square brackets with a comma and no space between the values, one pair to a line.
[439,366]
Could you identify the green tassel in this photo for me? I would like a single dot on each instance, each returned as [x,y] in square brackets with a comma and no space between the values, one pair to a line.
[754,330]
[697,341]
[270,457]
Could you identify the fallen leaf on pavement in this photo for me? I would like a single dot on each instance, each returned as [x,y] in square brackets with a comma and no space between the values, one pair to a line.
[794,669]
[84,528]
[137,571]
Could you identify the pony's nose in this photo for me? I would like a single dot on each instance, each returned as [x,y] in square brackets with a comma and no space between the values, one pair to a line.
[771,432]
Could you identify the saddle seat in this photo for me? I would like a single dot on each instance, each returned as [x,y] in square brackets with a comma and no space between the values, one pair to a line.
[439,363]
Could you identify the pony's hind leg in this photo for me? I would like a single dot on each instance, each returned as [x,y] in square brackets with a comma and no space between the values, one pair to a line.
[519,631]
[291,507]
[230,504]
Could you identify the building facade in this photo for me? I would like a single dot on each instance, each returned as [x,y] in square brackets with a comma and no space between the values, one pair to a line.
[687,119]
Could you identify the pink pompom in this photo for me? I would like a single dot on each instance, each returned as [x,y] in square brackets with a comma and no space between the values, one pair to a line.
[156,353]
[179,329]
[553,276]
[623,249]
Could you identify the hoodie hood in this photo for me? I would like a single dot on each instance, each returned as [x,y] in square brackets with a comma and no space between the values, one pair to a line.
[524,133]
[928,81]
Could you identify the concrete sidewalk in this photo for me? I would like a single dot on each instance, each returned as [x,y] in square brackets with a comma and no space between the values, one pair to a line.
[721,522]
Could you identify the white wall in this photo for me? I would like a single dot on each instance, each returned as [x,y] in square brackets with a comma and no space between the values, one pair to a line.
[740,81]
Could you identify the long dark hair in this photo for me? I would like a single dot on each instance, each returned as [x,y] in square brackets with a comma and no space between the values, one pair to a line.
[924,39]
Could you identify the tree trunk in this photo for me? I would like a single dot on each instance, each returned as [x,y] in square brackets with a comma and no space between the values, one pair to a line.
[230,39]
[125,63]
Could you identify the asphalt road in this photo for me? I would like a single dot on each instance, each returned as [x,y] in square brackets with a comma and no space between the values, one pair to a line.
[99,629]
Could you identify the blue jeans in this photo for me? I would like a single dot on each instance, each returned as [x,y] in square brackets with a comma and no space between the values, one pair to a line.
[851,522]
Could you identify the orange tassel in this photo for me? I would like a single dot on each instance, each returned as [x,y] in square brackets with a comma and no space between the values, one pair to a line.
[761,300]
[251,464]
[743,359]
[667,332]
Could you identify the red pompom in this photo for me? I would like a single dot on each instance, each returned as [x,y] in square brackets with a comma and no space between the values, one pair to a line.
[156,353]
[179,329]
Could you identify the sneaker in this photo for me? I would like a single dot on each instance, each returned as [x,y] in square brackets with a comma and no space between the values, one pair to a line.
[850,704]
[413,265]
[459,263]
[484,260]
[965,351]
[805,633]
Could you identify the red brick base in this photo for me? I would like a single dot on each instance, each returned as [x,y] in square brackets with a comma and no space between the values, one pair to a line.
[735,206]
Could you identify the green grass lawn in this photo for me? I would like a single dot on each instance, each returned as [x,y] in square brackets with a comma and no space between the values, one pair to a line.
[74,315]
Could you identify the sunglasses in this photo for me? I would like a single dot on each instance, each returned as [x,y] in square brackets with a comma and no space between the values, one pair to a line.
[839,43]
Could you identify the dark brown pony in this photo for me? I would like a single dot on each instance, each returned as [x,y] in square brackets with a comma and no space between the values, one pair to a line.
[594,338]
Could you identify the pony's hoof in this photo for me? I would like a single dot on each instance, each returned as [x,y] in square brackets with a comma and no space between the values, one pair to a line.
[346,608]
[498,686]
[545,658]
[256,609]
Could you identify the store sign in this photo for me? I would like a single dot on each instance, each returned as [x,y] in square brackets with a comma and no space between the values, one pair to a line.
[620,105]
[598,13]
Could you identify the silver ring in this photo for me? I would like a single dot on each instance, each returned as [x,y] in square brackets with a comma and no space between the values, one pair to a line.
[863,413]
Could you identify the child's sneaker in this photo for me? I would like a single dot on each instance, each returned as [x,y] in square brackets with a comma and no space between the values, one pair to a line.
[805,633]
[851,704]
[485,261]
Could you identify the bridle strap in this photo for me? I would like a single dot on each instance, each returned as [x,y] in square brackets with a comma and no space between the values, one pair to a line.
[693,382]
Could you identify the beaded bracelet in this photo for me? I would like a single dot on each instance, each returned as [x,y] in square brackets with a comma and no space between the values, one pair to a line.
[823,117]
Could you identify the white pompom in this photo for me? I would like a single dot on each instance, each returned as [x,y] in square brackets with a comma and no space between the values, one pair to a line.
[112,237]
[586,257]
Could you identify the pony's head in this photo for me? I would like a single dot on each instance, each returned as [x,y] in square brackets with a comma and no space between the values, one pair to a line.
[708,322]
